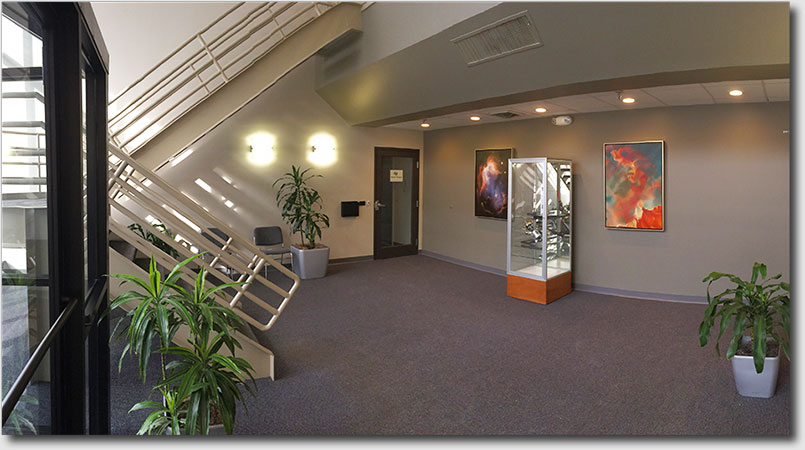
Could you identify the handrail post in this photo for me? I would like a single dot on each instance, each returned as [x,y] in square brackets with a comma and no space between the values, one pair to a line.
[212,57]
[198,75]
[277,23]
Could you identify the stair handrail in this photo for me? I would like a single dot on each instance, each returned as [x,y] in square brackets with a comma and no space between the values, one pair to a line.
[131,122]
[238,253]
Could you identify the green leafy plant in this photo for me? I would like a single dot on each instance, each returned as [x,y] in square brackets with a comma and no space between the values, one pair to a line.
[198,377]
[300,205]
[155,240]
[758,308]
[21,418]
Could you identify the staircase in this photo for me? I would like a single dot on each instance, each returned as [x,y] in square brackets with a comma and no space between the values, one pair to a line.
[219,70]
[192,90]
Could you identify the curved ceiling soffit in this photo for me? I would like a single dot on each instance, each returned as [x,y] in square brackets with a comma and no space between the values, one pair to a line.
[430,78]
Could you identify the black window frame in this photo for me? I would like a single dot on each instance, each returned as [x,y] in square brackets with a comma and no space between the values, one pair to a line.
[78,343]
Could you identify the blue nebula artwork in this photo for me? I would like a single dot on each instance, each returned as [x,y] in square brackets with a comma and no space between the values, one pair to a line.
[492,182]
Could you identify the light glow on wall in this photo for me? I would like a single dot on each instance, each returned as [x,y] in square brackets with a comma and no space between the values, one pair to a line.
[203,185]
[322,150]
[261,149]
[181,156]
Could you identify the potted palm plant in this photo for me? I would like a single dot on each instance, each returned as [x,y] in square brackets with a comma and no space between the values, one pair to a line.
[300,206]
[759,312]
[199,378]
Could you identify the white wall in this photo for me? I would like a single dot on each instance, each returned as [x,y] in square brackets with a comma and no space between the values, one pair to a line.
[140,34]
[292,112]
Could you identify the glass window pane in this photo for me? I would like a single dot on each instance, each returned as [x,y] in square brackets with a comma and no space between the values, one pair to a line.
[25,306]
[84,176]
[558,240]
[395,215]
[526,218]
[31,415]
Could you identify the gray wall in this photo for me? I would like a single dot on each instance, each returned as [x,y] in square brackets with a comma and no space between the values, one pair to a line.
[727,194]
[389,27]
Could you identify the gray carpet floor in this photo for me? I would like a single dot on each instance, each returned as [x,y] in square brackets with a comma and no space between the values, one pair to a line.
[418,346]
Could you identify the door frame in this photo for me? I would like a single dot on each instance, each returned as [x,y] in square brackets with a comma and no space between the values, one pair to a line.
[403,250]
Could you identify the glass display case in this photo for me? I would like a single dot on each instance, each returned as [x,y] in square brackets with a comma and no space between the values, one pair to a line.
[540,229]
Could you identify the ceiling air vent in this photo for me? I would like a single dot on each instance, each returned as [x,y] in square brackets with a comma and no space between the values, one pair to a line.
[506,36]
[504,114]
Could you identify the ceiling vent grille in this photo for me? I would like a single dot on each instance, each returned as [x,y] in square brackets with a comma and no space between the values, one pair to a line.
[506,36]
[504,114]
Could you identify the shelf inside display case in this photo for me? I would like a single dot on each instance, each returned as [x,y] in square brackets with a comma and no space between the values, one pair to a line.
[539,229]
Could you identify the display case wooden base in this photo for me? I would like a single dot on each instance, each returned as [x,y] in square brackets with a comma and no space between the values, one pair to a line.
[537,291]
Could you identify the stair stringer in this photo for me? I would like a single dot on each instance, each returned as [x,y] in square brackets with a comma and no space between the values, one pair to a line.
[308,40]
[261,358]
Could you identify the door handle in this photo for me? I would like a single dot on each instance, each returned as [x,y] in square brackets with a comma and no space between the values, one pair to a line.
[378,205]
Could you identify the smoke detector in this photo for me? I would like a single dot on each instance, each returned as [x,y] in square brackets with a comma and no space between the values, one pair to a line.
[561,121]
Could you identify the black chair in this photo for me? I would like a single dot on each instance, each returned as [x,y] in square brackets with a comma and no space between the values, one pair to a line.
[269,240]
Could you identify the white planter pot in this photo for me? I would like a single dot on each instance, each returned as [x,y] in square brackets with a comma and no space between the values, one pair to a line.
[750,383]
[310,263]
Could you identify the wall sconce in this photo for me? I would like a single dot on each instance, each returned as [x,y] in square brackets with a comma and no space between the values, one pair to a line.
[322,150]
[261,149]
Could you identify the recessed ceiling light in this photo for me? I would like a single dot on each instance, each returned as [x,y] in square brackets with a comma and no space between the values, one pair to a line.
[424,124]
[736,92]
[475,118]
[540,110]
[626,99]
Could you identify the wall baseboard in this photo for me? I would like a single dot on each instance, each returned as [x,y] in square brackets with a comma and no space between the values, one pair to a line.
[351,259]
[659,296]
[461,262]
[580,287]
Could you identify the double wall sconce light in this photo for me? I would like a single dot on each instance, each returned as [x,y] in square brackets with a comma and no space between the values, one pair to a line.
[261,149]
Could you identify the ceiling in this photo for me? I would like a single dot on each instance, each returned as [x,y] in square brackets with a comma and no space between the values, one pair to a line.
[587,51]
[754,91]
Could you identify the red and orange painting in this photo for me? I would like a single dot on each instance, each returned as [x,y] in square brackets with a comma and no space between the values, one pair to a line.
[492,182]
[633,185]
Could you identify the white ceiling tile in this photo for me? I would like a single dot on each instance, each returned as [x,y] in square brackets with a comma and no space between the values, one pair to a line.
[582,103]
[685,94]
[778,90]
[529,108]
[752,91]
[691,94]
[642,100]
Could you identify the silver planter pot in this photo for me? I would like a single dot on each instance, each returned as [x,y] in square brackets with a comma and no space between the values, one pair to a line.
[310,263]
[752,384]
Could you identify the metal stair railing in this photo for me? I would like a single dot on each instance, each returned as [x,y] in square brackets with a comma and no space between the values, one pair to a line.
[218,53]
[136,192]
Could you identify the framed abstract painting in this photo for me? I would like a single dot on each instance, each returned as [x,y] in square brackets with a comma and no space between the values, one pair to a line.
[634,185]
[492,182]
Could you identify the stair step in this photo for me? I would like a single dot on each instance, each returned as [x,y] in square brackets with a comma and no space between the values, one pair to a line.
[30,94]
[24,124]
[25,181]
